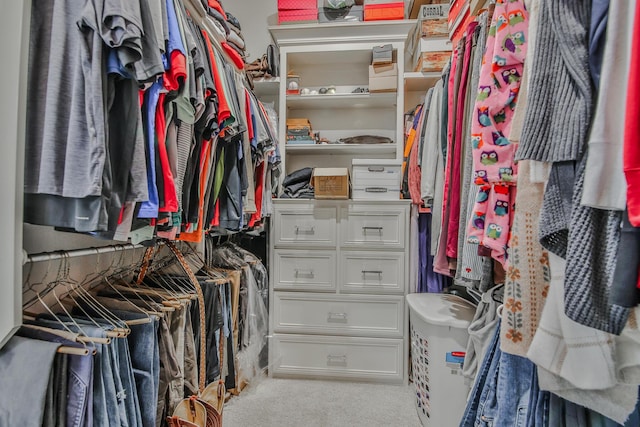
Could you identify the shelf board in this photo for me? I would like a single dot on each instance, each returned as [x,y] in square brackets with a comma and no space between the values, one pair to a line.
[339,32]
[341,149]
[346,100]
[418,81]
[269,86]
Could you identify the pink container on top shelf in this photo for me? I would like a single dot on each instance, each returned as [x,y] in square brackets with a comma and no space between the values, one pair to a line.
[297,5]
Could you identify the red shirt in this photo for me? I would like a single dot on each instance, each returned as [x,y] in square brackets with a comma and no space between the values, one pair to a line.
[632,129]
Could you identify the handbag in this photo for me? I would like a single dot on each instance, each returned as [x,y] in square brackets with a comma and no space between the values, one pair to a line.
[205,408]
[273,60]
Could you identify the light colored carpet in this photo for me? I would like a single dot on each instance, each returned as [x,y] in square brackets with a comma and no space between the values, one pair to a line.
[312,403]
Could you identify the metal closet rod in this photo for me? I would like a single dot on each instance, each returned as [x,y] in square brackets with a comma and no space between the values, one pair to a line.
[55,255]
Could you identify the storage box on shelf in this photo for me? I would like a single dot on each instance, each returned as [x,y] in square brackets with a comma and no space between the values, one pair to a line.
[379,180]
[383,10]
[331,183]
[414,6]
[297,11]
[383,78]
[426,57]
[354,13]
[429,53]
[433,20]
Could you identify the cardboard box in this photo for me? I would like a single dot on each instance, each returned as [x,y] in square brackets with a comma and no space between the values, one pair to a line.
[433,20]
[331,183]
[414,8]
[383,78]
[346,14]
[383,12]
[434,28]
[428,45]
[431,61]
[433,11]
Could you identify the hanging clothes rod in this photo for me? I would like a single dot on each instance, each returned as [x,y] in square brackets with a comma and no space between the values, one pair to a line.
[55,255]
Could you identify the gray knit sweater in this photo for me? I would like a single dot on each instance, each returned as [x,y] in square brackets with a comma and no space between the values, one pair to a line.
[560,94]
[556,127]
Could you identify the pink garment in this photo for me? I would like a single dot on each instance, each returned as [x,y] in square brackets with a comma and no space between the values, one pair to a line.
[450,128]
[493,154]
[456,161]
[440,262]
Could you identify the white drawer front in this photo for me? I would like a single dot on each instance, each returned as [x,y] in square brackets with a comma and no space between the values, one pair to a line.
[377,175]
[310,227]
[370,226]
[375,192]
[305,270]
[337,357]
[338,315]
[372,272]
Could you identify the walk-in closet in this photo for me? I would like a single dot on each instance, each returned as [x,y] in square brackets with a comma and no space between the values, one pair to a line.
[320,213]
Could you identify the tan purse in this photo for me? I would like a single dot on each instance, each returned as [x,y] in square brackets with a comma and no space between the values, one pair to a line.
[205,409]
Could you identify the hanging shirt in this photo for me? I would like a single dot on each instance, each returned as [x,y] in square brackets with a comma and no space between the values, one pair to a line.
[149,209]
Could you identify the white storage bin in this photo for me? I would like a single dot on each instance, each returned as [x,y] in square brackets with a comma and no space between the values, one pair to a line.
[376,181]
[439,324]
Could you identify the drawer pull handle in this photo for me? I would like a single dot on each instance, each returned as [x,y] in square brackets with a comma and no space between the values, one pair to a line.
[308,230]
[376,190]
[337,317]
[378,272]
[303,273]
[337,360]
[375,168]
[378,229]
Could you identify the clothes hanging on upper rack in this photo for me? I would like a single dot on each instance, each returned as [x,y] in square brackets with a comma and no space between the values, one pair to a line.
[130,132]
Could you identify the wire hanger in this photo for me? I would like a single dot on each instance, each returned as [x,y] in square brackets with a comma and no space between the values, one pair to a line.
[84,337]
[119,326]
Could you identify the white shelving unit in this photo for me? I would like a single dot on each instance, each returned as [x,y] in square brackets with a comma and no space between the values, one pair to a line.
[338,267]
[339,54]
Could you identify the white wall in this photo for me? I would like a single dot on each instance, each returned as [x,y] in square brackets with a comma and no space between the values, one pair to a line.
[254,16]
[14,25]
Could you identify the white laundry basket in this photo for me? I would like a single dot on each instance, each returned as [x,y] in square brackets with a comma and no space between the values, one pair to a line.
[439,324]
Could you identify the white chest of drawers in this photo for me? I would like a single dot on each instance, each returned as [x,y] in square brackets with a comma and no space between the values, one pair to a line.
[337,287]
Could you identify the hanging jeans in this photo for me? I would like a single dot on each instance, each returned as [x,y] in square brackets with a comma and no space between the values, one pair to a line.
[79,408]
[503,390]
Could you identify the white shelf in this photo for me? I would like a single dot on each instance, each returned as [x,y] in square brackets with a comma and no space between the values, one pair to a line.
[346,100]
[338,32]
[418,81]
[360,149]
[269,86]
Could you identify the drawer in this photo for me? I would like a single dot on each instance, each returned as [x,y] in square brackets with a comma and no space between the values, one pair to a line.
[378,316]
[375,192]
[376,175]
[373,226]
[304,270]
[375,359]
[372,272]
[309,227]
